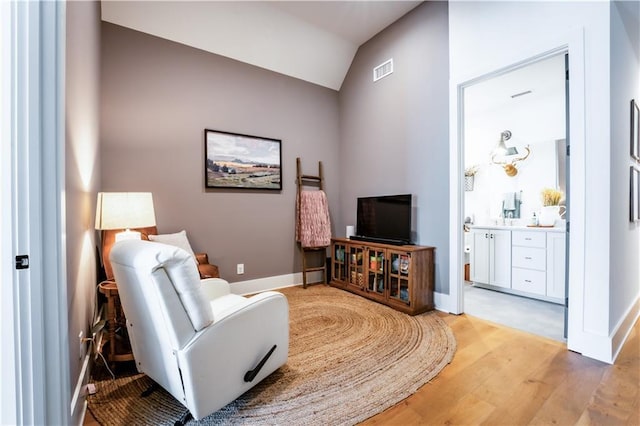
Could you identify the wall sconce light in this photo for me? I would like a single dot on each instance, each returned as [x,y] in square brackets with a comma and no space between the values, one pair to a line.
[122,211]
[507,157]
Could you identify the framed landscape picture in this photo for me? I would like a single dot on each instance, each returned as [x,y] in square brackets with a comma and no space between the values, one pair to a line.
[240,161]
[635,130]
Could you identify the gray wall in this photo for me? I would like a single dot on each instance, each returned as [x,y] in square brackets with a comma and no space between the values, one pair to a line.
[625,85]
[157,97]
[394,133]
[82,172]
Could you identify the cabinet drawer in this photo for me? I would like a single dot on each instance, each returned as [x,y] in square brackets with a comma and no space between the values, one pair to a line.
[528,280]
[529,238]
[528,257]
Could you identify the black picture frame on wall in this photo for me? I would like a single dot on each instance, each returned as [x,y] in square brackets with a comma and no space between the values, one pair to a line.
[635,130]
[634,194]
[237,161]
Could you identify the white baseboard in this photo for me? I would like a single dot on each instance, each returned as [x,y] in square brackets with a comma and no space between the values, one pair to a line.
[606,348]
[623,328]
[272,283]
[79,400]
[443,302]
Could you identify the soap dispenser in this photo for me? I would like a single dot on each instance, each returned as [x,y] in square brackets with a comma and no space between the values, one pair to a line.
[534,220]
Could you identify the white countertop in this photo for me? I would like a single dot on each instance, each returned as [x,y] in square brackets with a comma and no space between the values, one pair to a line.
[519,228]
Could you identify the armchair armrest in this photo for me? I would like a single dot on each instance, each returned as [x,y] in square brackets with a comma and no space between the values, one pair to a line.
[202,258]
[215,287]
[205,269]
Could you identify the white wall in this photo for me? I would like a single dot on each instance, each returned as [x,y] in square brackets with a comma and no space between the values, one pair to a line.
[538,171]
[485,36]
[625,250]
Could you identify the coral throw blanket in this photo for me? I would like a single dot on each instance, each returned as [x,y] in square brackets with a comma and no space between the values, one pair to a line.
[313,226]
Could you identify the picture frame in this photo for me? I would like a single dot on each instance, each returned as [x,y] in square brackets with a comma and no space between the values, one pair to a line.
[635,130]
[634,194]
[238,161]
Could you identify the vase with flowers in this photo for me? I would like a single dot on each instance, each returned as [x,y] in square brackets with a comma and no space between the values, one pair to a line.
[550,212]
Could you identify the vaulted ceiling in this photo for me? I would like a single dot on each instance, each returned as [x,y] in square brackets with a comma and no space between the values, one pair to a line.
[314,41]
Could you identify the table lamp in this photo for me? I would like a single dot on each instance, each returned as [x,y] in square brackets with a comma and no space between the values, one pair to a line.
[122,211]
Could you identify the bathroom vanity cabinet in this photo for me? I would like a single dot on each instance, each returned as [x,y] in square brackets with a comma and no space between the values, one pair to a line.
[520,260]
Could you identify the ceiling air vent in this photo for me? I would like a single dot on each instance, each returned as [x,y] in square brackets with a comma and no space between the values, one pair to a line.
[383,70]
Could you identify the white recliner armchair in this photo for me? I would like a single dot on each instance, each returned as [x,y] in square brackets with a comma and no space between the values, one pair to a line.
[194,338]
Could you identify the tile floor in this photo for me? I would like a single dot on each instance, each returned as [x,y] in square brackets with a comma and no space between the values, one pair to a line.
[531,315]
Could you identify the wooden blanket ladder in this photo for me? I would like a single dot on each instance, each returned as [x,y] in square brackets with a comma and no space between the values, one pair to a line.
[317,181]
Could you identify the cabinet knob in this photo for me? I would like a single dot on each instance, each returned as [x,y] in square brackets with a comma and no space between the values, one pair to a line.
[527,281]
[527,258]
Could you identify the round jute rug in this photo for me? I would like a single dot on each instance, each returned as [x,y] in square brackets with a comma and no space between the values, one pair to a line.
[349,359]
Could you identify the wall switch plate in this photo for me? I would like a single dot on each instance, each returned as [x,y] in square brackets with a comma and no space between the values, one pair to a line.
[240,268]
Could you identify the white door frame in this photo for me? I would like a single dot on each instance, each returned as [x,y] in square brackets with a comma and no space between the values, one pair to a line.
[35,317]
[572,43]
[8,397]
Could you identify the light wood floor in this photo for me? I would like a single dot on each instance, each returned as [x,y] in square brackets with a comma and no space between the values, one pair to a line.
[501,376]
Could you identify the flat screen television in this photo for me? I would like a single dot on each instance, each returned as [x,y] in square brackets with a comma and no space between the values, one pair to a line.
[385,219]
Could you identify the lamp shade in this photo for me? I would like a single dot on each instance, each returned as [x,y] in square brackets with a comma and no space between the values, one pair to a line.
[501,149]
[122,210]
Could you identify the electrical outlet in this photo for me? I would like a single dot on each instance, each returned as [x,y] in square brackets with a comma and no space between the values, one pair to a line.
[240,268]
[90,389]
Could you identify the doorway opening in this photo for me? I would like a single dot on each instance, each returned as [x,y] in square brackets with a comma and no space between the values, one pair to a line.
[515,139]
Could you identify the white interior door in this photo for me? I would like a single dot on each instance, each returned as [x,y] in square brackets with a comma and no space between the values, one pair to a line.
[8,397]
[35,356]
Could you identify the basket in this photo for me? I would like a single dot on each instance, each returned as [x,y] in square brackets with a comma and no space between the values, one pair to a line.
[468,183]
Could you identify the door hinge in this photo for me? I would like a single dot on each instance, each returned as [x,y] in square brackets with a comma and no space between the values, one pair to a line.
[22,261]
[568,226]
[568,150]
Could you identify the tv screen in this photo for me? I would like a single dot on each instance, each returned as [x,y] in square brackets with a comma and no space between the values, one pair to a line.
[385,218]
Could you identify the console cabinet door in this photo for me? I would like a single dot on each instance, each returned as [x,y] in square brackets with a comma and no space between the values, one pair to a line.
[376,282]
[339,263]
[399,275]
[355,269]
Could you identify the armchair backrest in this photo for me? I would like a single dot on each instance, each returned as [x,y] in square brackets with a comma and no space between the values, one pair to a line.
[160,290]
